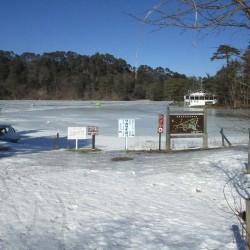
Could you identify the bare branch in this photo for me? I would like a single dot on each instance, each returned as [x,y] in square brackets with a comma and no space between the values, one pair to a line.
[198,14]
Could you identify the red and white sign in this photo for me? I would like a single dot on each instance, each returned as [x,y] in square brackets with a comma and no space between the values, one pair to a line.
[93,130]
[160,123]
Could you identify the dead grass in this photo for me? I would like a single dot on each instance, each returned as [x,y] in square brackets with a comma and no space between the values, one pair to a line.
[124,158]
[84,150]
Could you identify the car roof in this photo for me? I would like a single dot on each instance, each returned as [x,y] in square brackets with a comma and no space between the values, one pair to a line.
[5,125]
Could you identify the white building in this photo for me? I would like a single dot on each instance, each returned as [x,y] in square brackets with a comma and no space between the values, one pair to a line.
[199,98]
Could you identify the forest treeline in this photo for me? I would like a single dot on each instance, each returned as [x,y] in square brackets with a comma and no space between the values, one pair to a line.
[68,75]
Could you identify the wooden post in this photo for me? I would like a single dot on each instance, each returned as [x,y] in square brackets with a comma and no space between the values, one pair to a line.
[168,129]
[57,141]
[126,143]
[93,141]
[76,143]
[248,202]
[222,137]
[248,165]
[159,141]
[247,224]
[205,137]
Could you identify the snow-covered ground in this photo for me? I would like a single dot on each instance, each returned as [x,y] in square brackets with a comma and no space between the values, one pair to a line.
[61,199]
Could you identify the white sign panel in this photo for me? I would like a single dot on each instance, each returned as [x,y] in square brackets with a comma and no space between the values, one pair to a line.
[126,128]
[75,133]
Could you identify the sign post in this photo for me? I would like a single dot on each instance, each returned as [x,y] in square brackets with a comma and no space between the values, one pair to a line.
[248,201]
[126,128]
[168,139]
[160,127]
[92,130]
[76,133]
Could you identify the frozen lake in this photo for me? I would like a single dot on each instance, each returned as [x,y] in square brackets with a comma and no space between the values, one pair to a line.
[44,119]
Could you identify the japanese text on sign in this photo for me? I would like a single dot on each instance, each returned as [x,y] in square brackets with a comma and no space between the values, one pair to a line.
[75,133]
[182,124]
[126,128]
[92,130]
[160,123]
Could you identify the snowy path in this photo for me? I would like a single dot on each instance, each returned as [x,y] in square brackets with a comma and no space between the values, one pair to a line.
[66,200]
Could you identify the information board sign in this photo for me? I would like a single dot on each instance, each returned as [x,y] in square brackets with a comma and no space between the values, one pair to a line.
[75,133]
[183,124]
[126,128]
[93,130]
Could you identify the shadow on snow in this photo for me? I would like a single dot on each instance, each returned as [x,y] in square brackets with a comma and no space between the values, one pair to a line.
[31,144]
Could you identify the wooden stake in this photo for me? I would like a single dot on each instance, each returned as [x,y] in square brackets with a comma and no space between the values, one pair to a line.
[168,129]
[248,165]
[247,224]
[248,203]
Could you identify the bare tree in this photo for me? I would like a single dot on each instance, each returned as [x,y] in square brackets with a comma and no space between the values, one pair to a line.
[199,14]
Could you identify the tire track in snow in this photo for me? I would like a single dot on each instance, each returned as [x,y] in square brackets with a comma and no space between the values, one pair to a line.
[6,193]
[25,184]
[37,196]
[58,200]
[7,196]
[66,215]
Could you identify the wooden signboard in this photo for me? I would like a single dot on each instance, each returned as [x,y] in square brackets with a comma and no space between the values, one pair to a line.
[187,124]
[184,124]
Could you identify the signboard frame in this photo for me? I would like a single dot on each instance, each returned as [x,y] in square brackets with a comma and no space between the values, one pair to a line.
[77,133]
[93,130]
[187,124]
[126,128]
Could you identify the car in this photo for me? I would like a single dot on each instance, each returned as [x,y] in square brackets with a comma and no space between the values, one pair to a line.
[8,133]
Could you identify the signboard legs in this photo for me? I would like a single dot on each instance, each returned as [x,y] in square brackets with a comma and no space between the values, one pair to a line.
[168,129]
[248,202]
[159,141]
[248,165]
[126,143]
[247,224]
[93,141]
[205,137]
